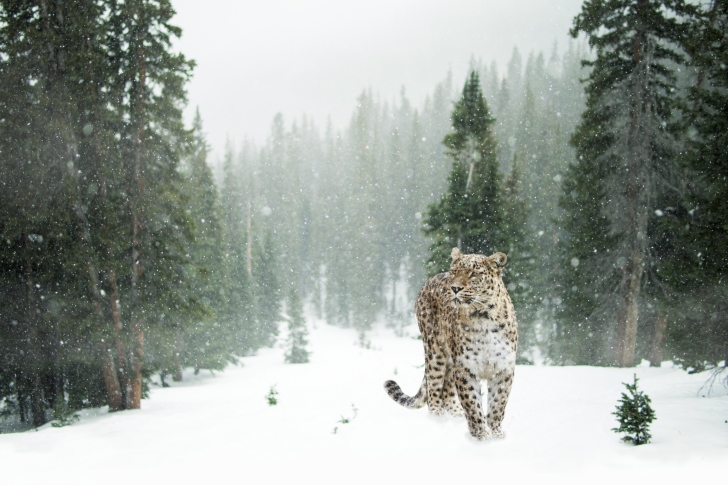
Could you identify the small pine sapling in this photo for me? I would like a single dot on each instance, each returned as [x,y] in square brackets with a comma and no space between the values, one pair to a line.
[297,332]
[271,397]
[634,415]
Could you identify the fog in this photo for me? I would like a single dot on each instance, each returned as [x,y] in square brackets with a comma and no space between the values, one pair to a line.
[256,59]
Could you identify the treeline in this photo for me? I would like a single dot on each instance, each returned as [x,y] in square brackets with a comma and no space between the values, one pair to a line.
[121,258]
[615,166]
[347,210]
[112,262]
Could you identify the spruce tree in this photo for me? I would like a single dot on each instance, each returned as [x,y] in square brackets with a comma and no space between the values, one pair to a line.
[267,292]
[208,342]
[469,215]
[634,414]
[694,224]
[625,148]
[238,311]
[90,94]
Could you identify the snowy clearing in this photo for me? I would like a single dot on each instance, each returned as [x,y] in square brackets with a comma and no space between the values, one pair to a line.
[214,428]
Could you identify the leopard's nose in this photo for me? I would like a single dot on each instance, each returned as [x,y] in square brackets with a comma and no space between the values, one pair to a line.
[456,289]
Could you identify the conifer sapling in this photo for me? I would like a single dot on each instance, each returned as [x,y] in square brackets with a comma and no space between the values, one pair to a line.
[272,396]
[634,415]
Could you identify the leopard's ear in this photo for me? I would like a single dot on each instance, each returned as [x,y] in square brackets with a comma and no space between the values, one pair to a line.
[499,259]
[455,254]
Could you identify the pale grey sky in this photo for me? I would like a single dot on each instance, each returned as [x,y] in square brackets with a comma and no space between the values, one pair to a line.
[256,58]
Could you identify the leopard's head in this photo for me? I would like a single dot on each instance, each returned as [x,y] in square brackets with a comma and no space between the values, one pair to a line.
[476,279]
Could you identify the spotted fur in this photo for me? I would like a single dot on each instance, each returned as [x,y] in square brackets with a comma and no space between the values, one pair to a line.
[470,334]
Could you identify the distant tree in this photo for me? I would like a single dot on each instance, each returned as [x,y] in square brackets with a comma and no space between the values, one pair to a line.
[209,341]
[297,332]
[238,313]
[266,292]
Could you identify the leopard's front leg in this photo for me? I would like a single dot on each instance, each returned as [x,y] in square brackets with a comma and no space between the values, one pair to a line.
[468,387]
[499,388]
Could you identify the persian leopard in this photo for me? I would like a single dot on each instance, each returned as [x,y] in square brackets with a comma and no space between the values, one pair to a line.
[470,334]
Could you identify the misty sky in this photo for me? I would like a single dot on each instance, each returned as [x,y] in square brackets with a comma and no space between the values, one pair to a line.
[257,58]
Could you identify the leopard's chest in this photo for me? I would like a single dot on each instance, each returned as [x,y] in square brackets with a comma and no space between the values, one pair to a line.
[485,347]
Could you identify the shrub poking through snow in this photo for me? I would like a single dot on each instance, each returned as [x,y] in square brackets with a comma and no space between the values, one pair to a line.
[271,397]
[634,415]
[345,420]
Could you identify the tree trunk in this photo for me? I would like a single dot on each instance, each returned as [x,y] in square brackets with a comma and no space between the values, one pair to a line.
[137,354]
[637,186]
[658,340]
[111,379]
[33,358]
[628,316]
[177,376]
[122,364]
[105,355]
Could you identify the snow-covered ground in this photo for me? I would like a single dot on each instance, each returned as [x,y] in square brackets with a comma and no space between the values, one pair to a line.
[220,429]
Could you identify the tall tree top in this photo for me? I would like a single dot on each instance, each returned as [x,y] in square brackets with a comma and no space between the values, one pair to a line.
[610,21]
[471,118]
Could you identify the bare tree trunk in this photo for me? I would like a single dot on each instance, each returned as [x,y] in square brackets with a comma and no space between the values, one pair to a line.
[658,340]
[106,358]
[627,325]
[137,354]
[637,187]
[177,376]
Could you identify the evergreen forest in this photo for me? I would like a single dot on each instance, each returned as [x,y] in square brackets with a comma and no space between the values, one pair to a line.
[600,168]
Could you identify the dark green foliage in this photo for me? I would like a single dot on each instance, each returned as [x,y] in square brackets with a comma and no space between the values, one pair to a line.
[626,160]
[106,268]
[480,212]
[634,415]
[694,227]
[209,342]
[469,215]
[297,332]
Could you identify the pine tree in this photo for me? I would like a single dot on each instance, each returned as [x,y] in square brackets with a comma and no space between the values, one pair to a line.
[93,95]
[469,215]
[297,332]
[625,151]
[267,292]
[238,312]
[208,342]
[694,222]
[634,415]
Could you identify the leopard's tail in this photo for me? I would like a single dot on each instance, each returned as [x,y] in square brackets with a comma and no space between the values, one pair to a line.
[414,402]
